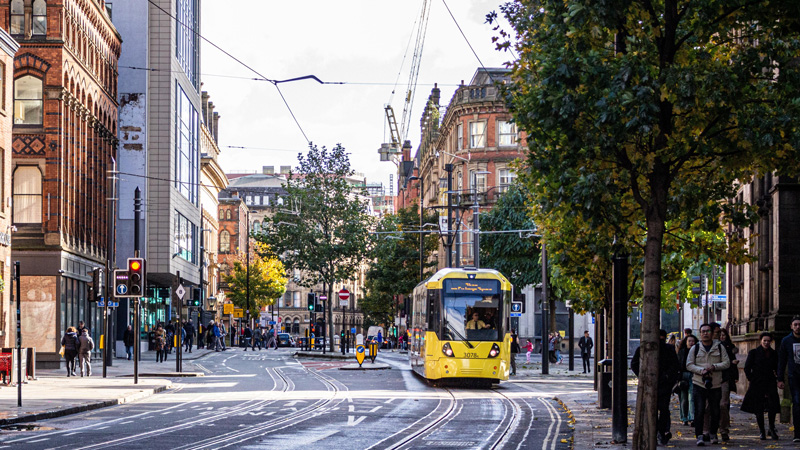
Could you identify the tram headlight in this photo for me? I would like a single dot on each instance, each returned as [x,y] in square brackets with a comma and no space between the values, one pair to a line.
[447,350]
[494,351]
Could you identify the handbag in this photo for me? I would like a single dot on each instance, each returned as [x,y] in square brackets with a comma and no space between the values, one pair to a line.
[61,352]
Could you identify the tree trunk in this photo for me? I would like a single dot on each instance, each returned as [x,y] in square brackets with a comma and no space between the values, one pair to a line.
[644,431]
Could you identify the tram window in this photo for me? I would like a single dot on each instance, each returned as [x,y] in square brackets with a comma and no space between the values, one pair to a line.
[472,317]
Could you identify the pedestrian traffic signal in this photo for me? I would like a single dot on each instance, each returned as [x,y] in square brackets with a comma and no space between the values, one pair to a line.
[95,286]
[312,300]
[136,277]
[319,308]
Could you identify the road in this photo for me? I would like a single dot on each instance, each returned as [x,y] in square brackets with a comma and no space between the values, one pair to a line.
[270,399]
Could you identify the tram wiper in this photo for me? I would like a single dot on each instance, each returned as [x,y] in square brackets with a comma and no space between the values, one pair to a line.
[458,335]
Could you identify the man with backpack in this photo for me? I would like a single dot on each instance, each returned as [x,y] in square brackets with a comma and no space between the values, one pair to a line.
[707,360]
[668,374]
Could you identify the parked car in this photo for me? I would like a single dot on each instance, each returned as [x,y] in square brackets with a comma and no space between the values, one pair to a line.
[285,340]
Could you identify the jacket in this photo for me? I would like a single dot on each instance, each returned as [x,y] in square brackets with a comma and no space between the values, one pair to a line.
[699,357]
[128,338]
[217,333]
[70,342]
[760,369]
[788,358]
[586,344]
[731,375]
[668,367]
[87,344]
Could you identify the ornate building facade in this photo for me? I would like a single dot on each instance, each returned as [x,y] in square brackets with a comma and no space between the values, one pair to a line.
[64,142]
[8,48]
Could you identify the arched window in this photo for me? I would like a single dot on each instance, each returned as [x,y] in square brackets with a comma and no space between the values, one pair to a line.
[228,214]
[39,25]
[296,326]
[280,201]
[256,227]
[17,17]
[27,195]
[224,242]
[28,101]
[221,213]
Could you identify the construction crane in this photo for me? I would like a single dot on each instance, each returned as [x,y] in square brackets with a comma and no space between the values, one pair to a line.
[398,135]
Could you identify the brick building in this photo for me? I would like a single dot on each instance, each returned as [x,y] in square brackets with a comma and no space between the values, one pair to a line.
[65,127]
[8,48]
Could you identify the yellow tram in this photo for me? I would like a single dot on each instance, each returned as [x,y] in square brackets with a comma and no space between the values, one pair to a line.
[459,326]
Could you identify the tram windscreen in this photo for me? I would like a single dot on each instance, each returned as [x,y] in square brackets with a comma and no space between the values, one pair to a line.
[472,310]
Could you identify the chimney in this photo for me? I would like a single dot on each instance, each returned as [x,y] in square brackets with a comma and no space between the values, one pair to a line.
[204,101]
[209,123]
[268,170]
[216,126]
[285,170]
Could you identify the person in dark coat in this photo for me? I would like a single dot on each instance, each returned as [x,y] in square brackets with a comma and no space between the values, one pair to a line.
[128,339]
[586,345]
[685,387]
[514,351]
[761,370]
[71,344]
[668,373]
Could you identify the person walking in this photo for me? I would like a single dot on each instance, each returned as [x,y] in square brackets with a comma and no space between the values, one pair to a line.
[85,352]
[551,348]
[707,361]
[668,372]
[218,346]
[514,350]
[248,336]
[128,339]
[789,360]
[761,370]
[528,351]
[258,336]
[188,327]
[729,379]
[71,345]
[685,386]
[161,344]
[379,339]
[586,345]
[222,333]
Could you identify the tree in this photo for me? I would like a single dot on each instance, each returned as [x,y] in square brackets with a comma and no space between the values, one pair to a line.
[267,282]
[324,228]
[395,263]
[643,115]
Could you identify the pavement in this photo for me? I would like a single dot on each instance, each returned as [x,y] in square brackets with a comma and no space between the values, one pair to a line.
[53,394]
[593,425]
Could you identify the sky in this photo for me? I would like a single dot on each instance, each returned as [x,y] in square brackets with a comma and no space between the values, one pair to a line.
[360,43]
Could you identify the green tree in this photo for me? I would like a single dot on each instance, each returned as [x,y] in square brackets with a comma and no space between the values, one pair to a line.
[267,282]
[395,263]
[324,226]
[643,115]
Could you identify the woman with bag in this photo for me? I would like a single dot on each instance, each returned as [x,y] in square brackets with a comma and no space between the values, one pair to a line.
[70,343]
[685,383]
[761,370]
[161,345]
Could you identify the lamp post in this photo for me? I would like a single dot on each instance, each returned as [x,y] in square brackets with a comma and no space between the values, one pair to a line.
[475,219]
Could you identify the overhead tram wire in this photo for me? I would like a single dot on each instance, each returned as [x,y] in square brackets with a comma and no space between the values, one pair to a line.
[274,82]
[467,40]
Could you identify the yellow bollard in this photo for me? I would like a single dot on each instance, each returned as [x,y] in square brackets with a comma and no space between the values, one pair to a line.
[101,341]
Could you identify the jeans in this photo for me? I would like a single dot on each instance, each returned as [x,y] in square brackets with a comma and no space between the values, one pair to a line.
[85,359]
[700,396]
[794,387]
[189,342]
[725,408]
[687,404]
[217,345]
[513,363]
[663,421]
[129,351]
[587,366]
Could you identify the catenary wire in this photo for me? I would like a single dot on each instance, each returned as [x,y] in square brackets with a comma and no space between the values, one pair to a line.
[467,40]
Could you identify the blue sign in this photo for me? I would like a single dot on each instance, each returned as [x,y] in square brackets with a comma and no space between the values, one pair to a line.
[516,307]
[592,319]
[102,303]
[513,314]
[122,289]
[271,322]
[353,330]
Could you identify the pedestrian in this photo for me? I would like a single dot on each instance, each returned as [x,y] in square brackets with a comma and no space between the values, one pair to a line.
[71,345]
[258,336]
[514,350]
[379,339]
[217,337]
[729,379]
[586,345]
[688,332]
[85,352]
[81,327]
[672,341]
[161,344]
[668,373]
[685,386]
[761,370]
[188,327]
[557,346]
[707,360]
[128,339]
[789,360]
[248,336]
[551,348]
[222,333]
[528,350]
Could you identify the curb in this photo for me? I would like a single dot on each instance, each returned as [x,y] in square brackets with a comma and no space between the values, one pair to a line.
[378,366]
[52,414]
[166,375]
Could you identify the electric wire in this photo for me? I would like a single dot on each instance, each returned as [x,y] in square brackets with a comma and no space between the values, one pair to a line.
[274,82]
[467,40]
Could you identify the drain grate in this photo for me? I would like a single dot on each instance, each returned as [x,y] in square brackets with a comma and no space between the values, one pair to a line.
[432,443]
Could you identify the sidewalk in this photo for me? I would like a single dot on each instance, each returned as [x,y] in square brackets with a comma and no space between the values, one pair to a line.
[53,394]
[593,425]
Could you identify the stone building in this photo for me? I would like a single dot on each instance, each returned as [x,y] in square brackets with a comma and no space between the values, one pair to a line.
[8,48]
[65,137]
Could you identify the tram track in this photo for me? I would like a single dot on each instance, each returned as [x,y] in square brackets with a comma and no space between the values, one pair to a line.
[413,435]
[516,415]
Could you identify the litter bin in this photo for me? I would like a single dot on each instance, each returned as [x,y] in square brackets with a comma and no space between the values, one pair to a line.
[604,384]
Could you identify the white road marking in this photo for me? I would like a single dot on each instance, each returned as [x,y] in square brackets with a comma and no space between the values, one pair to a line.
[351,421]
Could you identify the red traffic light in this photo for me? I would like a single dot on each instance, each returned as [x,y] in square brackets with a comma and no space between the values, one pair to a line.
[135,265]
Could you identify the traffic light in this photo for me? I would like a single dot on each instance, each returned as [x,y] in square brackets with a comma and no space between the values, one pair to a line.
[136,277]
[319,308]
[195,300]
[312,300]
[702,284]
[95,286]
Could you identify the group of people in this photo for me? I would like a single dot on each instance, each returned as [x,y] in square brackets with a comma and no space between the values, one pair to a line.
[704,370]
[77,343]
[258,336]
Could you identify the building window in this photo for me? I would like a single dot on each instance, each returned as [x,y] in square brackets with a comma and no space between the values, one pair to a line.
[186,48]
[186,151]
[507,133]
[256,227]
[460,136]
[477,134]
[477,181]
[296,297]
[17,17]
[27,194]
[28,101]
[228,214]
[222,214]
[185,233]
[266,200]
[2,86]
[505,177]
[39,25]
[280,201]
[224,242]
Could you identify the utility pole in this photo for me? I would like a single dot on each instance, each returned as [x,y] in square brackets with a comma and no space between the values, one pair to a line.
[178,328]
[545,315]
[137,214]
[110,258]
[15,282]
[619,372]
[247,282]
[449,169]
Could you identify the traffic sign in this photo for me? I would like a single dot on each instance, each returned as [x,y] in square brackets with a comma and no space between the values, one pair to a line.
[102,303]
[719,298]
[238,313]
[344,294]
[227,308]
[513,314]
[120,283]
[323,297]
[360,354]
[516,307]
[180,292]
